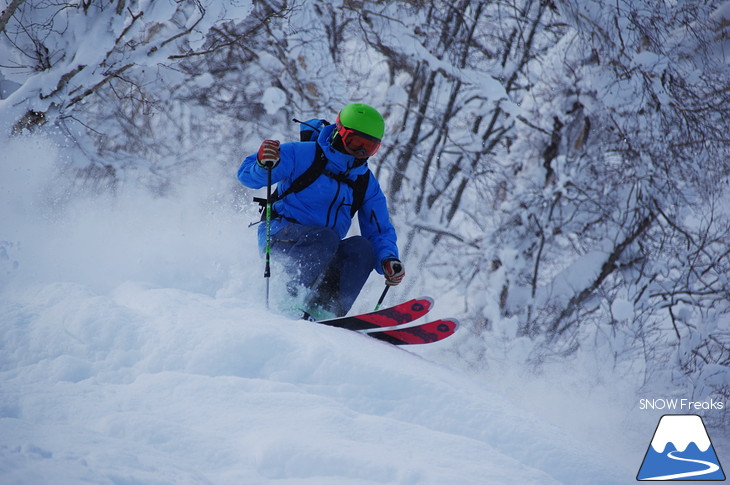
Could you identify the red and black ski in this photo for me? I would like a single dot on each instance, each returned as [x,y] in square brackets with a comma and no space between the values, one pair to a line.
[387,317]
[392,324]
[424,333]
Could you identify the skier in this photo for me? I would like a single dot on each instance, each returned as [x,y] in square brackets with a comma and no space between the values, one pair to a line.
[320,185]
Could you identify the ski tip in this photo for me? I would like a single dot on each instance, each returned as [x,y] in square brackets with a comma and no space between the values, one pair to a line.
[426,333]
[448,325]
[427,299]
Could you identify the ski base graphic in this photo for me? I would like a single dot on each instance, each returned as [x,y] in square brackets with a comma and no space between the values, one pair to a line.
[424,333]
[400,314]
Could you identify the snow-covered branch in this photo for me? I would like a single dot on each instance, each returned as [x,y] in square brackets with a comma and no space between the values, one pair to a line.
[60,53]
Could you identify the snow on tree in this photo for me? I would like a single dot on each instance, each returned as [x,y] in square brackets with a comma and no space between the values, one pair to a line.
[64,63]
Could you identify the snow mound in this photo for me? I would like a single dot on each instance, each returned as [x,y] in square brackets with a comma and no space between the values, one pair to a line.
[158,385]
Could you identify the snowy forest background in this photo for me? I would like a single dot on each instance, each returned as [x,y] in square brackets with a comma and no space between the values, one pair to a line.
[557,170]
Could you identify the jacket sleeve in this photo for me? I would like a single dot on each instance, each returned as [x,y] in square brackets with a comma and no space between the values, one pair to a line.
[375,224]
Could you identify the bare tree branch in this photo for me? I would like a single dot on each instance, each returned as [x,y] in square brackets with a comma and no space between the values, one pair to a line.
[8,12]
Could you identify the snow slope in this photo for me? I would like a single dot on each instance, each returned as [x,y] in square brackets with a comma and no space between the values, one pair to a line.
[158,385]
[134,349]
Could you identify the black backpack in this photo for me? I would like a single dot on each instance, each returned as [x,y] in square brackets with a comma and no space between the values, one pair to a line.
[309,132]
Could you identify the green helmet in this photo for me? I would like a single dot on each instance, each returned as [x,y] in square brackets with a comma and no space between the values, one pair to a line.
[363,118]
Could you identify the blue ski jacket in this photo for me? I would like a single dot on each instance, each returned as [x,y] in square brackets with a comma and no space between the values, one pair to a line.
[326,202]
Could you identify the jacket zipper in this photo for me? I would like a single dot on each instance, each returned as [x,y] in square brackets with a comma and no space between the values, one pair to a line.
[334,200]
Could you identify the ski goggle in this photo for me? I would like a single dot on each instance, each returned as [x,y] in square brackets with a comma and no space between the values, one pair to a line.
[357,143]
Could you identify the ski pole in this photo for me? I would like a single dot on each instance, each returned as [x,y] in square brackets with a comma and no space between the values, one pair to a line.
[267,268]
[382,297]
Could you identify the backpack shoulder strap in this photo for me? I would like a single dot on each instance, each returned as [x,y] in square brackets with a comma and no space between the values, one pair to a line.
[300,183]
[308,176]
[359,187]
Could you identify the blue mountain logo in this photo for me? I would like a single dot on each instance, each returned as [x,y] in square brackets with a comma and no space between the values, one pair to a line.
[681,450]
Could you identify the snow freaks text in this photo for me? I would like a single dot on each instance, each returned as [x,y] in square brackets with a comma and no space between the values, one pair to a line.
[676,404]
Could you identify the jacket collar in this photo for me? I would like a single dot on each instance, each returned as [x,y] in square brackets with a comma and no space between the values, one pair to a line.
[337,161]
